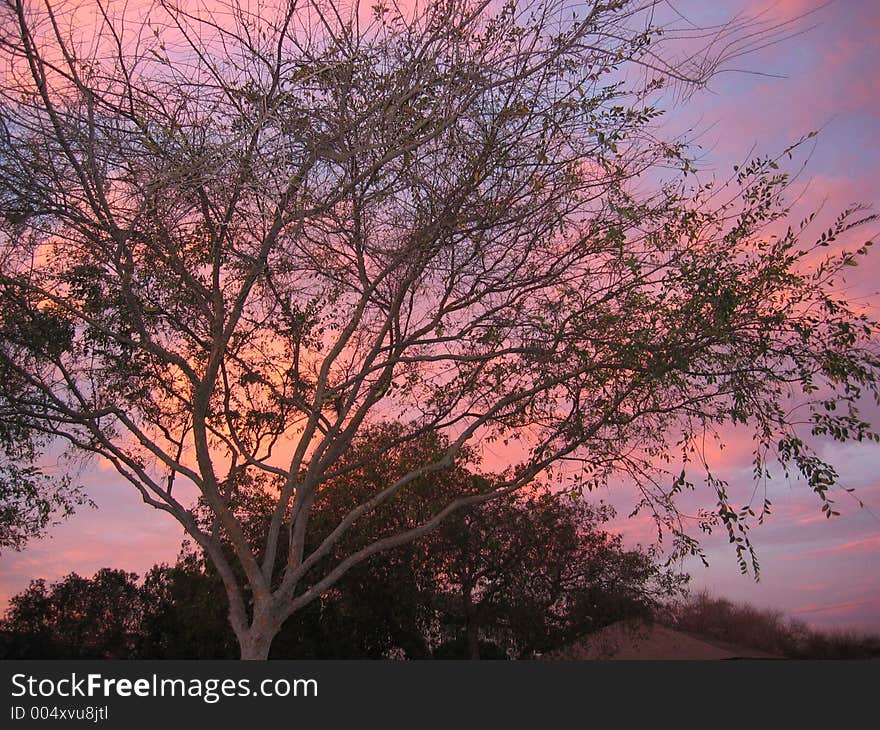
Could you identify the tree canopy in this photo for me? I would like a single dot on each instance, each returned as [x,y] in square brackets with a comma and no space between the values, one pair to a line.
[234,236]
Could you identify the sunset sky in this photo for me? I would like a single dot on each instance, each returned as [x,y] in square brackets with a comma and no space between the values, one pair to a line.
[825,572]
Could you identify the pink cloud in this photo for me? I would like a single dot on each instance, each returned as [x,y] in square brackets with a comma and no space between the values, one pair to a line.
[840,607]
[810,587]
[863,545]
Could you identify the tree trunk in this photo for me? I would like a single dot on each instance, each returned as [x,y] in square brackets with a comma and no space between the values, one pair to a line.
[255,648]
[473,638]
[257,640]
[471,626]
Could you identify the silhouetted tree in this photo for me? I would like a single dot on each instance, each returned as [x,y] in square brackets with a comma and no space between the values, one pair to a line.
[530,574]
[75,618]
[537,570]
[184,613]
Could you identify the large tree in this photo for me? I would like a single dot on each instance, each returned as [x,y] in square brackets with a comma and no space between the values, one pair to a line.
[235,234]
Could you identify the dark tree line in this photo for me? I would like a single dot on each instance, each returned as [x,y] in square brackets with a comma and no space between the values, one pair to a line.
[514,577]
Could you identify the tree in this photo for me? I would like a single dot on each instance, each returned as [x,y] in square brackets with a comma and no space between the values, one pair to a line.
[523,573]
[75,618]
[183,613]
[233,238]
[528,574]
[383,604]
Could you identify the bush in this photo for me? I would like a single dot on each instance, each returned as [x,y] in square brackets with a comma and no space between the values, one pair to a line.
[768,630]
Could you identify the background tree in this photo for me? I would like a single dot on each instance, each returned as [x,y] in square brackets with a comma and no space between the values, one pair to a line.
[520,574]
[76,618]
[184,613]
[526,574]
[232,238]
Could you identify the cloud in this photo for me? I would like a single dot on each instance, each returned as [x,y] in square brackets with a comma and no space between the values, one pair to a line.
[859,545]
[840,607]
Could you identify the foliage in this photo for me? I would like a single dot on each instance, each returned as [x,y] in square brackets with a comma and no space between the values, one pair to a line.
[31,500]
[768,630]
[75,618]
[534,572]
[184,614]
